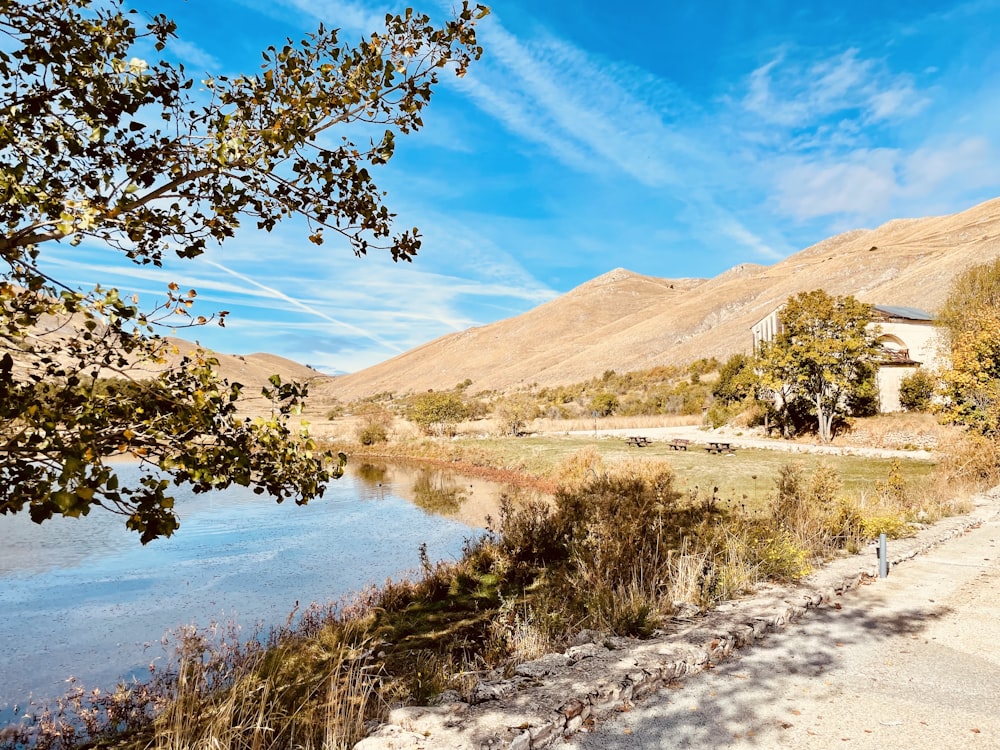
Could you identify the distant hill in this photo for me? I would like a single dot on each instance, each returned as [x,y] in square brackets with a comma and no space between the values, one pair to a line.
[253,371]
[624,321]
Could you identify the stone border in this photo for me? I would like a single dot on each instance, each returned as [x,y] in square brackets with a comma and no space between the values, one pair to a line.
[554,696]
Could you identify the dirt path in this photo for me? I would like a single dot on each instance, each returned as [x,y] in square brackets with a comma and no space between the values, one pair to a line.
[912,661]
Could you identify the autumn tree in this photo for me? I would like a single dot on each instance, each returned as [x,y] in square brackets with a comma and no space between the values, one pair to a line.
[737,380]
[822,354]
[514,412]
[437,412]
[101,146]
[971,321]
[916,391]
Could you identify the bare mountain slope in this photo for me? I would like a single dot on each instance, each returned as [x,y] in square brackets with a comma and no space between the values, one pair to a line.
[624,321]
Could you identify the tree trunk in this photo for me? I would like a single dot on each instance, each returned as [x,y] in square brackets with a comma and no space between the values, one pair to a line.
[824,422]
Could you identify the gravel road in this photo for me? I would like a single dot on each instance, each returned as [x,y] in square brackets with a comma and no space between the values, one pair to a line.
[911,661]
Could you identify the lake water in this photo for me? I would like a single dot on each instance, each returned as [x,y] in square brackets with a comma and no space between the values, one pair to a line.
[82,597]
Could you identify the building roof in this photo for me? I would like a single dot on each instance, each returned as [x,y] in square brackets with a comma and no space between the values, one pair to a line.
[906,313]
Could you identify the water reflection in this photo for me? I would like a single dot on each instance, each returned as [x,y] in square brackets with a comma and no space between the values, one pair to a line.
[373,480]
[83,597]
[438,494]
[437,491]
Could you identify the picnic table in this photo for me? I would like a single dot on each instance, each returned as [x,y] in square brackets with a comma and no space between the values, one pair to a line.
[717,446]
[637,440]
[679,444]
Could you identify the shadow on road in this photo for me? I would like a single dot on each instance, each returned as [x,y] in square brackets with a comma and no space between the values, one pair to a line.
[722,706]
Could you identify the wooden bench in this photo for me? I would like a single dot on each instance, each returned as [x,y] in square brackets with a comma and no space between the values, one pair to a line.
[637,440]
[720,447]
[680,444]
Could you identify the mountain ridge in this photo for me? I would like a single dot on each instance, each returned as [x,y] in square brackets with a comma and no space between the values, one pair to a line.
[623,320]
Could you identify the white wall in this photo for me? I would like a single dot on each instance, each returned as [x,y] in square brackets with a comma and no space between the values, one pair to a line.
[923,341]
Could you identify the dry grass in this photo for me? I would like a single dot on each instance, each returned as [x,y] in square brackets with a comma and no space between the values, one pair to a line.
[899,431]
[614,423]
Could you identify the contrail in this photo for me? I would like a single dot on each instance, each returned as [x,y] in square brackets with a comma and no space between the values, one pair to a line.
[304,307]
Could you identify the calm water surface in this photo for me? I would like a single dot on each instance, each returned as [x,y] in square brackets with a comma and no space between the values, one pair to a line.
[82,597]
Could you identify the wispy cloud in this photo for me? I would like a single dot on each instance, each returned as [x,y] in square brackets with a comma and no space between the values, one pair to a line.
[931,166]
[860,184]
[583,110]
[195,57]
[802,93]
[353,18]
[308,309]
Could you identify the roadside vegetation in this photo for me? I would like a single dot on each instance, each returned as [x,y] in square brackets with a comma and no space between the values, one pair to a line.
[623,544]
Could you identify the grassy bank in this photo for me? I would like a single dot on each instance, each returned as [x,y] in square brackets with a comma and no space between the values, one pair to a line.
[543,462]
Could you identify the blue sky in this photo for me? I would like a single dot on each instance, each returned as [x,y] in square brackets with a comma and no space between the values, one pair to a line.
[672,139]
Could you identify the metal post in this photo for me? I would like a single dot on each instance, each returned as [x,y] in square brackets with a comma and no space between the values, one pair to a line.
[883,558]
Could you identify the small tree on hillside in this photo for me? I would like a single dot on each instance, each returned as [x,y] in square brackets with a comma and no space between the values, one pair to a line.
[821,355]
[514,412]
[737,380]
[374,423]
[604,403]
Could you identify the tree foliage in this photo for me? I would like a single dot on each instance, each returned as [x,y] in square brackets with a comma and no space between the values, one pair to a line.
[604,404]
[821,355]
[514,412]
[971,319]
[437,412]
[100,146]
[917,390]
[972,293]
[737,380]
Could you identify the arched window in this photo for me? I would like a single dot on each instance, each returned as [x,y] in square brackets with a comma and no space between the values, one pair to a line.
[894,348]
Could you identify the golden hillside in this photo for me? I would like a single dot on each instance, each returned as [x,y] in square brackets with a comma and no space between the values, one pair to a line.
[624,321]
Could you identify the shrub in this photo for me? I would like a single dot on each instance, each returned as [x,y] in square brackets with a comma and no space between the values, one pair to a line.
[372,435]
[437,412]
[972,461]
[916,391]
[578,468]
[374,424]
[737,380]
[718,414]
[514,412]
[605,404]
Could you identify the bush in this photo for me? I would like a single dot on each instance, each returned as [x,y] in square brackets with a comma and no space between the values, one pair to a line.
[718,414]
[437,412]
[737,380]
[605,404]
[372,435]
[916,391]
[374,424]
[514,412]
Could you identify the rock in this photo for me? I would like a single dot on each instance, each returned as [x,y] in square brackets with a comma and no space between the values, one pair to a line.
[585,636]
[548,664]
[493,691]
[391,737]
[583,651]
[448,698]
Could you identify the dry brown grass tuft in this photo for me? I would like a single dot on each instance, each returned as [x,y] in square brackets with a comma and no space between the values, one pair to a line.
[614,423]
